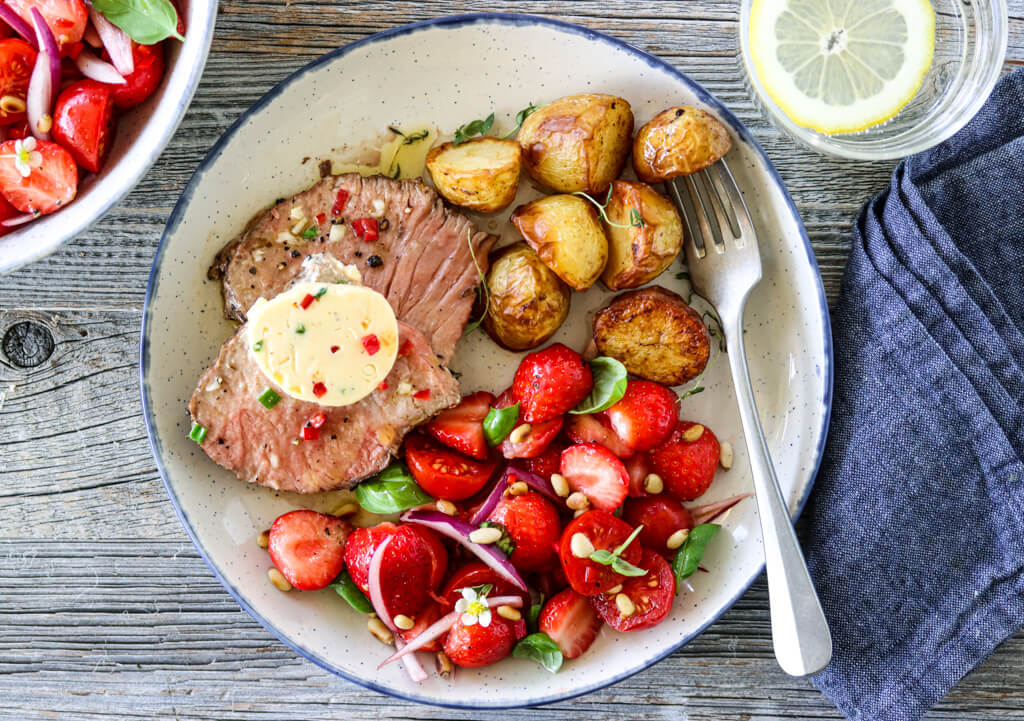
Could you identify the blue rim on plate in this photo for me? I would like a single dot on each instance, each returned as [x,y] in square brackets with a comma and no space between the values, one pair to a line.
[456,21]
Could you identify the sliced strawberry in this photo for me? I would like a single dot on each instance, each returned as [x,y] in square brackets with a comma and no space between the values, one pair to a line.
[308,548]
[548,462]
[571,622]
[595,428]
[594,471]
[551,382]
[638,467]
[478,645]
[536,441]
[687,467]
[462,427]
[645,416]
[532,522]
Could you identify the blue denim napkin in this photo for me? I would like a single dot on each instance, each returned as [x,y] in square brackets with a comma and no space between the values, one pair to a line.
[916,529]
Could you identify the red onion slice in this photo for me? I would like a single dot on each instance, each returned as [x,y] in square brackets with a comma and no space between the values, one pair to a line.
[18,24]
[412,664]
[459,530]
[18,220]
[538,484]
[711,511]
[91,37]
[511,475]
[94,68]
[116,41]
[45,80]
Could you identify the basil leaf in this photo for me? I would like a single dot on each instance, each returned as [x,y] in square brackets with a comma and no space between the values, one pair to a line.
[687,558]
[145,21]
[609,386]
[603,557]
[505,543]
[499,422]
[347,589]
[625,568]
[533,615]
[391,491]
[540,648]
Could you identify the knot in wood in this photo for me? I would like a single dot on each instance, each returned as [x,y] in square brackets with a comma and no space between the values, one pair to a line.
[28,344]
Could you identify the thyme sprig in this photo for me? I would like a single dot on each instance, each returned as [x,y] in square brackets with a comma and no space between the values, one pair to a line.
[483,283]
[636,220]
[479,128]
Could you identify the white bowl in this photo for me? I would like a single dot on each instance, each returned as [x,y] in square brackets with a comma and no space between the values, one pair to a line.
[142,134]
[447,72]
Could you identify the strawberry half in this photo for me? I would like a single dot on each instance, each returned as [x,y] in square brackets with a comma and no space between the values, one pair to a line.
[551,382]
[462,427]
[645,416]
[478,645]
[595,428]
[597,473]
[536,441]
[571,622]
[532,522]
[308,548]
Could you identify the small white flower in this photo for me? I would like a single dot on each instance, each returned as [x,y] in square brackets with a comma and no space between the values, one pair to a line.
[474,609]
[26,156]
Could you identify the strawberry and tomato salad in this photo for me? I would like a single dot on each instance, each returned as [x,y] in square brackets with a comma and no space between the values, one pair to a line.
[527,521]
[68,68]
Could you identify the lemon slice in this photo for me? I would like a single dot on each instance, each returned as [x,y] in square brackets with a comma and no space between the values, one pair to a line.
[840,66]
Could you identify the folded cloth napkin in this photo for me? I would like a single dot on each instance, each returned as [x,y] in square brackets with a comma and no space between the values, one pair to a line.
[916,528]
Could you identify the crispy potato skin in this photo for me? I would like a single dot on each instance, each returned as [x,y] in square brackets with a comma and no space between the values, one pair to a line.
[638,255]
[678,141]
[655,334]
[566,233]
[579,142]
[481,174]
[528,301]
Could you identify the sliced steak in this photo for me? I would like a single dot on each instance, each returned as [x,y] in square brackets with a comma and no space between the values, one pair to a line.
[356,441]
[421,261]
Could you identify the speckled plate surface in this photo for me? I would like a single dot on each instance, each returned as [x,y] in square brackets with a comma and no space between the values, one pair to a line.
[445,73]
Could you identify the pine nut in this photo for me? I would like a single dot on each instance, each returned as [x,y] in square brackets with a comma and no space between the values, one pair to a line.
[560,485]
[653,583]
[653,484]
[346,509]
[726,455]
[403,622]
[263,540]
[381,632]
[625,605]
[580,545]
[446,507]
[512,614]
[485,535]
[678,538]
[519,488]
[614,589]
[277,578]
[693,433]
[577,502]
[519,433]
[443,664]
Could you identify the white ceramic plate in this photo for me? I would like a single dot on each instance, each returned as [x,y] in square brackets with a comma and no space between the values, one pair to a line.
[447,72]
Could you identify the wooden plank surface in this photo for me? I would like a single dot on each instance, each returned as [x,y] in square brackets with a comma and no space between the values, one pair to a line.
[109,613]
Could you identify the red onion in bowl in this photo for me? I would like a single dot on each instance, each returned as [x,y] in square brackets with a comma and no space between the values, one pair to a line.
[412,664]
[511,475]
[45,80]
[94,68]
[711,511]
[18,220]
[17,24]
[116,41]
[459,530]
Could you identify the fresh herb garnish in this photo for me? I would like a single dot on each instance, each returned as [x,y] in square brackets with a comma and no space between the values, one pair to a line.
[269,398]
[257,346]
[483,283]
[310,232]
[533,614]
[715,329]
[540,648]
[415,137]
[482,590]
[636,220]
[520,117]
[197,433]
[614,558]
[391,491]
[692,391]
[347,589]
[687,558]
[472,128]
[320,293]
[609,386]
[301,329]
[499,422]
[505,543]
[147,22]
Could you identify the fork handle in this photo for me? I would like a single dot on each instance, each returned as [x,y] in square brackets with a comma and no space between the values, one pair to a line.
[800,633]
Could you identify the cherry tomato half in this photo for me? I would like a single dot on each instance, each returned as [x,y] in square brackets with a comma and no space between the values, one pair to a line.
[67,18]
[17,58]
[444,473]
[84,122]
[51,183]
[661,516]
[141,82]
[651,596]
[603,530]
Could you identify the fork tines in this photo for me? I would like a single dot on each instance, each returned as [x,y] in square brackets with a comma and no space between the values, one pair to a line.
[712,207]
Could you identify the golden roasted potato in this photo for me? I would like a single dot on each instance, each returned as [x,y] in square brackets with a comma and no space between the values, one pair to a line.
[528,301]
[678,141]
[579,142]
[566,233]
[645,234]
[655,334]
[481,174]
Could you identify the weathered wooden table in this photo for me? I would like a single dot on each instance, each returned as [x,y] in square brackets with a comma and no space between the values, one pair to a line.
[106,609]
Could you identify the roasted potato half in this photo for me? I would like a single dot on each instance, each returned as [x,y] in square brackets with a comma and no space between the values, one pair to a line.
[481,174]
[579,142]
[528,301]
[655,334]
[566,233]
[645,234]
[678,141]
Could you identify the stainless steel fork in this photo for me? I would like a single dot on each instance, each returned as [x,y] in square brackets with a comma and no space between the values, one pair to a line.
[725,265]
